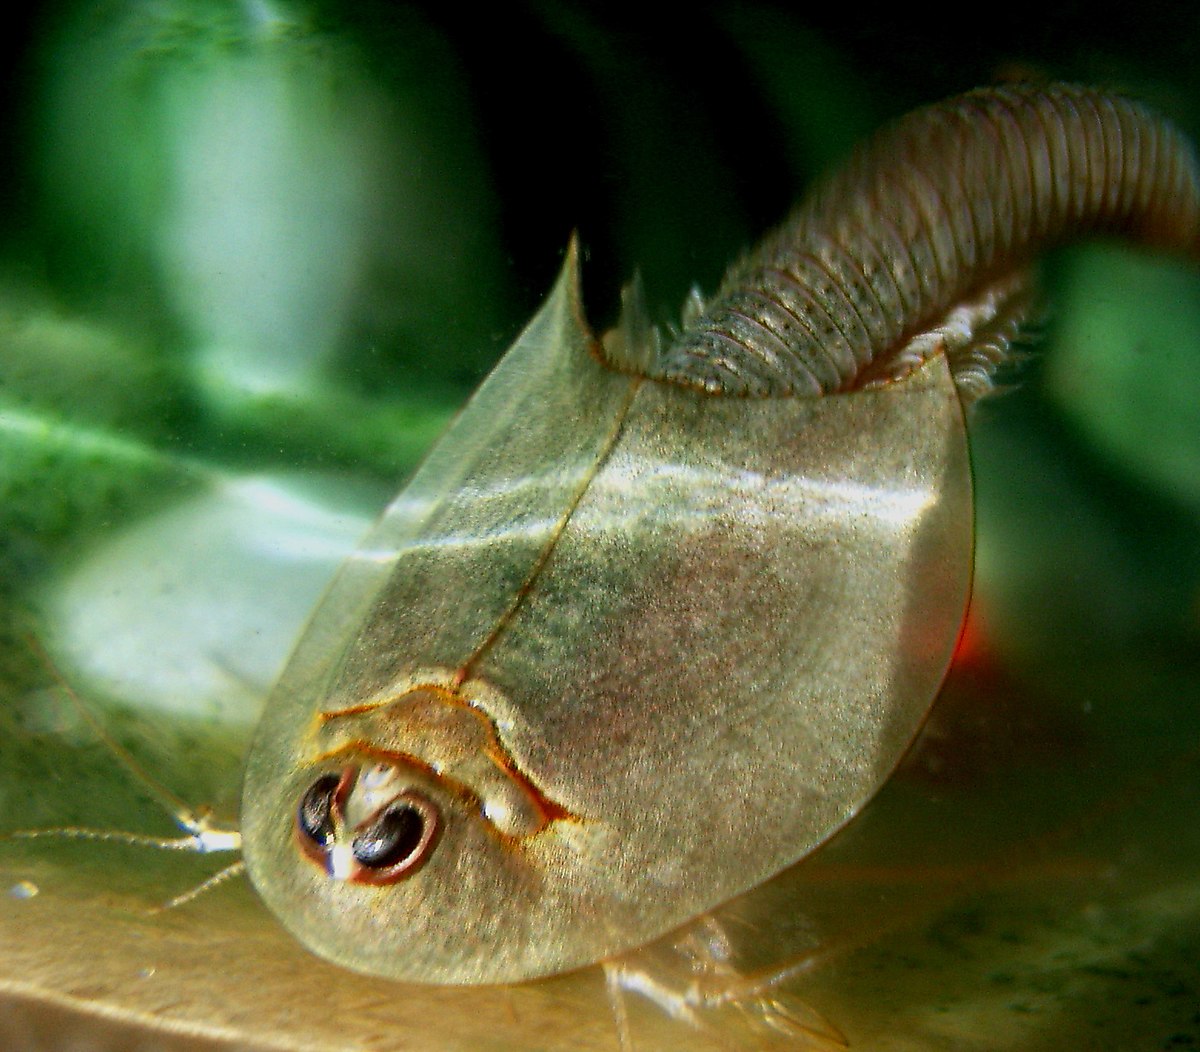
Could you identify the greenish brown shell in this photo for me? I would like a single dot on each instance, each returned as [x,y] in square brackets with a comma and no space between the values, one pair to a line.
[650,625]
[702,630]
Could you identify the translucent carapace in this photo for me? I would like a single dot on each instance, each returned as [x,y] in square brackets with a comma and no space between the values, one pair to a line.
[651,624]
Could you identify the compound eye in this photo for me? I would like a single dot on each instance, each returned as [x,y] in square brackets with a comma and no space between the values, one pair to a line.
[314,816]
[397,840]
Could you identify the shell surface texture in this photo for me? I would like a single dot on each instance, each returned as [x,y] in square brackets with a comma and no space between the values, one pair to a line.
[656,618]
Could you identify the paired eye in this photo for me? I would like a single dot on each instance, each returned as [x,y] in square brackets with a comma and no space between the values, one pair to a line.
[387,845]
[393,837]
[314,817]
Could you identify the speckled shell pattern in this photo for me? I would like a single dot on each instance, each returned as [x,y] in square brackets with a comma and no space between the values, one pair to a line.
[947,201]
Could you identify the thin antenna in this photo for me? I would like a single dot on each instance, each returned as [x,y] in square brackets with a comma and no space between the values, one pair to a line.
[202,833]
[234,869]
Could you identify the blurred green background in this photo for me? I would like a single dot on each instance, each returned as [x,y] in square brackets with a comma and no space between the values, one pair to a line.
[253,256]
[270,236]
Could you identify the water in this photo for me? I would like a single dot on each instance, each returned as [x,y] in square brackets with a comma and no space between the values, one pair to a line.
[1027,881]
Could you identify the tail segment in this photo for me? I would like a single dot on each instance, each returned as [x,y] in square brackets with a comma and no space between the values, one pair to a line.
[944,209]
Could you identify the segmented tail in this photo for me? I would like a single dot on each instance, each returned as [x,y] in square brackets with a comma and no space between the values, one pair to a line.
[919,243]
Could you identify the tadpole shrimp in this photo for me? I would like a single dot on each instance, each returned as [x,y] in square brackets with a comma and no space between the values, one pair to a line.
[659,616]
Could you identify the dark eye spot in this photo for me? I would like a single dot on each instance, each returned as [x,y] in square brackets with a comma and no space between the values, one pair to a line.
[391,838]
[314,815]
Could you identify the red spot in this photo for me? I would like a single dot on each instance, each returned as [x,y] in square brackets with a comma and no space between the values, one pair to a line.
[974,652]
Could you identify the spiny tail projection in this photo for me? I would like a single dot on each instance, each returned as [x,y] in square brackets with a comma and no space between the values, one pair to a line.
[920,243]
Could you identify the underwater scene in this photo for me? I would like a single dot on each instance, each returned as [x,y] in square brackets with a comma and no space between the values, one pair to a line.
[256,258]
